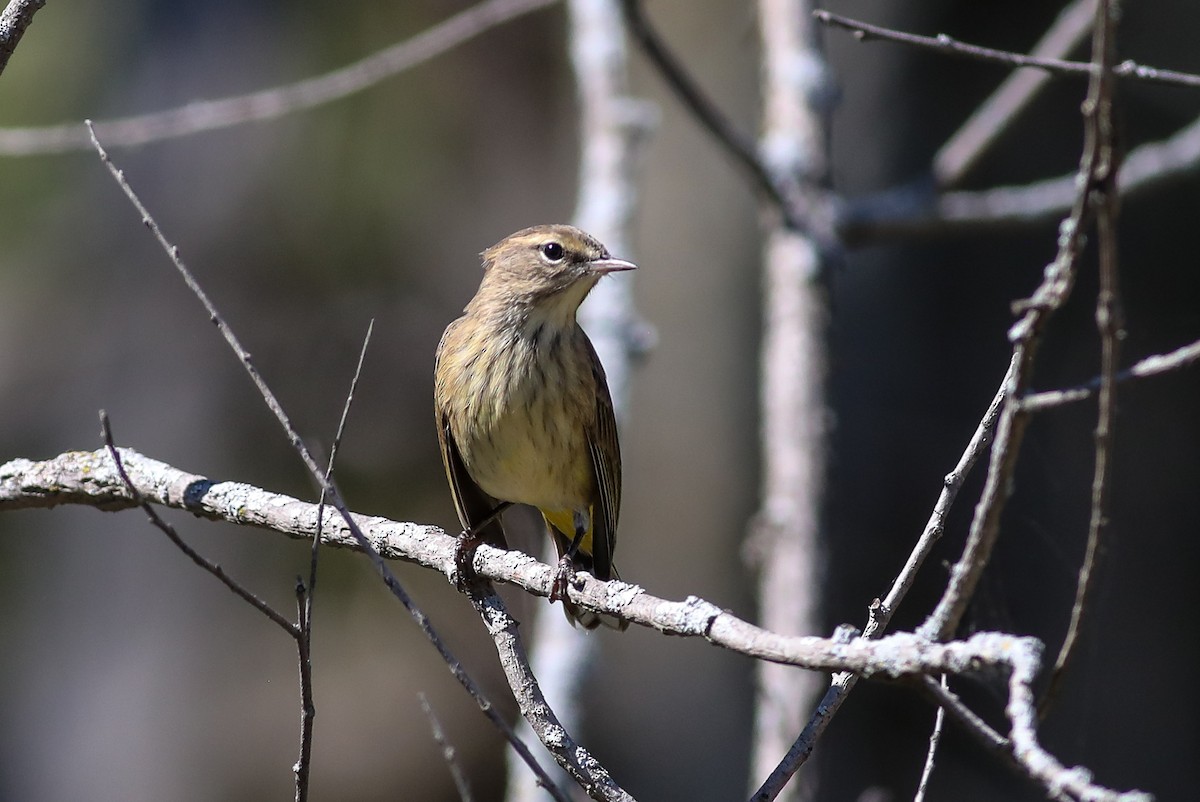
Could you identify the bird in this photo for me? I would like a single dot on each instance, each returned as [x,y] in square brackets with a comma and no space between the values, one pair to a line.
[523,410]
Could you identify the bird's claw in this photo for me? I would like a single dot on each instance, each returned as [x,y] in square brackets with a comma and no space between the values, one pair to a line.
[563,577]
[464,560]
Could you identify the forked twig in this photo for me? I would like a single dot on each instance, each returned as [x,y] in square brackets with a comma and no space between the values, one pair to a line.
[1182,357]
[1097,172]
[1110,325]
[199,559]
[306,594]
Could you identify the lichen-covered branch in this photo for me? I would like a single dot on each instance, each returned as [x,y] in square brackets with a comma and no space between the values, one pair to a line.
[90,478]
[14,21]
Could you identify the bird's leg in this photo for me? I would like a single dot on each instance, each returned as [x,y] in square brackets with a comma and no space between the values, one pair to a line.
[566,563]
[468,543]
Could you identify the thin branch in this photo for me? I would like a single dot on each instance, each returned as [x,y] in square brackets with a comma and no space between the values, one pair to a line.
[137,498]
[1109,324]
[305,595]
[948,45]
[739,146]
[1075,783]
[1035,764]
[333,450]
[800,750]
[582,766]
[88,478]
[1150,366]
[935,527]
[914,210]
[308,707]
[276,102]
[983,733]
[935,738]
[1096,169]
[449,754]
[964,149]
[381,567]
[14,21]
[881,612]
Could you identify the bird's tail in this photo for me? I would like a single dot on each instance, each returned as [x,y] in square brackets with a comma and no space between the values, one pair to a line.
[590,620]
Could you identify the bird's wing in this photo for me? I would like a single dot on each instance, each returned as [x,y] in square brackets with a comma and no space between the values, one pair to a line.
[470,502]
[606,463]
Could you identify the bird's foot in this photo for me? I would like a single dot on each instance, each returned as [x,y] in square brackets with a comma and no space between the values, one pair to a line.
[563,577]
[464,559]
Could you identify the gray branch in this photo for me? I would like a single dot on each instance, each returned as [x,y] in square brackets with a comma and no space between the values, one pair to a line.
[90,478]
[14,20]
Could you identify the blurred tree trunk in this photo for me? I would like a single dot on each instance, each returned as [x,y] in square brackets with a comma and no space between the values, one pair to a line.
[784,541]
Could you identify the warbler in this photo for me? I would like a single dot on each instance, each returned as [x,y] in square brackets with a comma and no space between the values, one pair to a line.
[523,411]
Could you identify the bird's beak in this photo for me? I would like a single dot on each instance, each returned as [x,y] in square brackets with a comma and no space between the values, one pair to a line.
[604,266]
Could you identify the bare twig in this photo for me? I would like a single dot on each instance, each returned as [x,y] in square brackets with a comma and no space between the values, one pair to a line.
[881,614]
[935,738]
[308,707]
[740,146]
[1109,323]
[987,737]
[14,20]
[1150,366]
[138,499]
[270,104]
[881,611]
[1096,169]
[950,46]
[305,595]
[333,450]
[582,766]
[449,754]
[381,567]
[962,150]
[914,211]
[297,631]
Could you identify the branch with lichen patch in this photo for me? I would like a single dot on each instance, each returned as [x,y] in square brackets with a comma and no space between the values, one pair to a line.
[90,478]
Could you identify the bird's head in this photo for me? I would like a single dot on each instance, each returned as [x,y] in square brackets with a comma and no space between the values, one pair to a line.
[548,268]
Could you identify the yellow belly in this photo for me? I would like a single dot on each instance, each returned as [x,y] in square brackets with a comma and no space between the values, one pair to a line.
[529,455]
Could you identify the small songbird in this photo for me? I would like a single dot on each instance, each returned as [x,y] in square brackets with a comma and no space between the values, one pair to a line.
[523,411]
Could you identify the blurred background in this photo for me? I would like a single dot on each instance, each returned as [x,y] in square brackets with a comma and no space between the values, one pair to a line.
[127,674]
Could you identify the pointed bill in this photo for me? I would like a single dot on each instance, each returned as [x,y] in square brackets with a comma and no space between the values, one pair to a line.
[610,265]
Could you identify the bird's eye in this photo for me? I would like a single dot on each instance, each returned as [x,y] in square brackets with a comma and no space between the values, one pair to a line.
[553,251]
